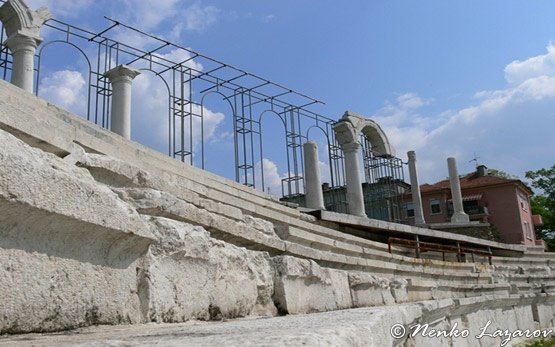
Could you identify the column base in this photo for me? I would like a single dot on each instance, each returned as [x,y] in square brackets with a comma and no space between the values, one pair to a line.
[460,218]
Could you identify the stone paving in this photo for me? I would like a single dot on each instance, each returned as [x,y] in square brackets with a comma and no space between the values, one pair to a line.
[350,327]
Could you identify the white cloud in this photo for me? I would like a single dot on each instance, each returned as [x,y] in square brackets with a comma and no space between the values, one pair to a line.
[403,124]
[197,17]
[150,116]
[148,15]
[509,128]
[167,19]
[65,8]
[179,55]
[268,18]
[541,65]
[65,88]
[273,178]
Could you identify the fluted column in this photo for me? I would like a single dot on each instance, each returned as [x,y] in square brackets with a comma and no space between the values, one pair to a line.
[312,179]
[355,197]
[415,190]
[121,77]
[458,214]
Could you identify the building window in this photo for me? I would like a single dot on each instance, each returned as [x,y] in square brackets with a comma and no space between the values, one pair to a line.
[528,230]
[523,204]
[435,206]
[409,208]
[523,201]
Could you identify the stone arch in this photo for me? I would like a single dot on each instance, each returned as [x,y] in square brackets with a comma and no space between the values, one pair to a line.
[351,125]
[347,131]
[376,136]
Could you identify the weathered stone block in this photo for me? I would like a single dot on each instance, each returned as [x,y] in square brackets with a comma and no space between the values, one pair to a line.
[369,290]
[192,276]
[302,286]
[68,246]
[222,209]
[260,224]
[398,287]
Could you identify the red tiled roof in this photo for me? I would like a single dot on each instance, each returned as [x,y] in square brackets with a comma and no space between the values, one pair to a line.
[472,180]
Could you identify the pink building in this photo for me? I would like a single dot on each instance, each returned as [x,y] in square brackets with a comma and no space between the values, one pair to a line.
[504,203]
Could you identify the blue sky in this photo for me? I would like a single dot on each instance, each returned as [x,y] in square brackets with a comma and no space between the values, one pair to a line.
[444,78]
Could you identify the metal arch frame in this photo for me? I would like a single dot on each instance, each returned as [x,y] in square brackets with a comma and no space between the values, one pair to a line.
[261,147]
[247,95]
[39,61]
[169,105]
[233,112]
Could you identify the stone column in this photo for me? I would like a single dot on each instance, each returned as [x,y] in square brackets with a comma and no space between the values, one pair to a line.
[312,180]
[120,77]
[415,190]
[23,50]
[355,197]
[22,27]
[458,214]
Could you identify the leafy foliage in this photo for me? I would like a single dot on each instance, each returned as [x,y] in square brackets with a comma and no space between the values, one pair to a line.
[540,343]
[544,204]
[502,174]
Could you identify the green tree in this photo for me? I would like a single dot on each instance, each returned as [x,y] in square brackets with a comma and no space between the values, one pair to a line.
[502,174]
[544,203]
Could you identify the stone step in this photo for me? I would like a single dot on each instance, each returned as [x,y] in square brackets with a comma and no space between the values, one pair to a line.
[438,256]
[530,278]
[541,255]
[515,269]
[316,241]
[382,268]
[523,261]
[418,289]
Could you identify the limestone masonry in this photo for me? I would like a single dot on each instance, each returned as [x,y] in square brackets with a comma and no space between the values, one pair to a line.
[96,229]
[104,235]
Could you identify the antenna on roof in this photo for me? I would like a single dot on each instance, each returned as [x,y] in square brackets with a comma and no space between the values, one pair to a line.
[475,160]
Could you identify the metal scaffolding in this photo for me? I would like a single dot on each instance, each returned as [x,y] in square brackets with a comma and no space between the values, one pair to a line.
[188,83]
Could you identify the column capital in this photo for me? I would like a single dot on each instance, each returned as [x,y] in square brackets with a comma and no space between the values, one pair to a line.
[411,155]
[122,73]
[350,146]
[22,42]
